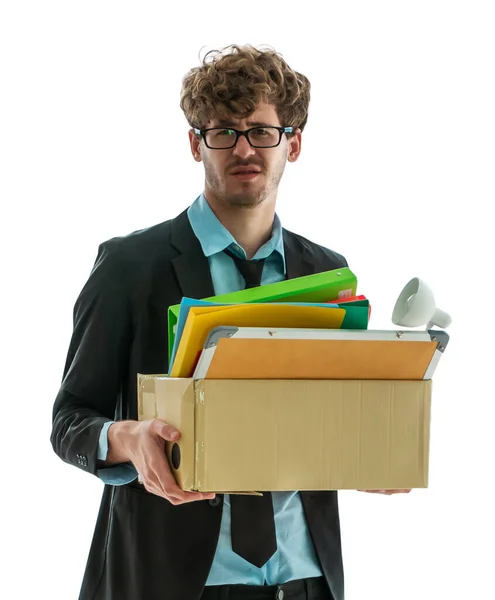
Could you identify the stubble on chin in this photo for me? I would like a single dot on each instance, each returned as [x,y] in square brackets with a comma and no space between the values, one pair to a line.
[247,201]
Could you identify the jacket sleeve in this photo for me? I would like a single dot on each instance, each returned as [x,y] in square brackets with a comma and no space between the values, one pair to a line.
[96,362]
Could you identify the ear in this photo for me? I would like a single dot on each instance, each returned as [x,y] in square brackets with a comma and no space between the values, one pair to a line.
[195,142]
[295,142]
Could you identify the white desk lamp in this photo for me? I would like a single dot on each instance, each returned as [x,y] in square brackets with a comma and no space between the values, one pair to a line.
[416,306]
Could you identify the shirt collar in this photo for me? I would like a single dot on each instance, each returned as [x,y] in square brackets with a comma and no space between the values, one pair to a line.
[214,237]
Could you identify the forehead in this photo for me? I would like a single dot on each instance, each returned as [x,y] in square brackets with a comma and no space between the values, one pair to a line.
[265,114]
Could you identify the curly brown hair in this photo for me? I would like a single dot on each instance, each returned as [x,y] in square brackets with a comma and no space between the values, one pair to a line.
[234,83]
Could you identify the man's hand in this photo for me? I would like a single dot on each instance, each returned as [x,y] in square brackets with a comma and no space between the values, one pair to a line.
[143,444]
[386,492]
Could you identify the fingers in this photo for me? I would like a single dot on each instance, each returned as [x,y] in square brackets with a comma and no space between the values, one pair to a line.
[165,431]
[386,492]
[154,469]
[191,497]
[162,483]
[171,491]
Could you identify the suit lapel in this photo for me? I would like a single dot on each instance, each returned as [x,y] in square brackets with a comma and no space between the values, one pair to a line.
[298,259]
[191,266]
[193,270]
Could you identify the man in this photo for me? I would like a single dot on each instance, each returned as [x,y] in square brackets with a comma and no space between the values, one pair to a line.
[247,110]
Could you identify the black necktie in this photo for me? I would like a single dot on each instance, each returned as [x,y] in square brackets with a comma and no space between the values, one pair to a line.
[252,521]
[251,270]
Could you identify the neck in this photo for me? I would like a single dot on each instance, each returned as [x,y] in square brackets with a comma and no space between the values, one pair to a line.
[251,227]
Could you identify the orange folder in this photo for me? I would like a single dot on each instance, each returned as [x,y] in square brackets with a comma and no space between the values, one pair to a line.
[319,359]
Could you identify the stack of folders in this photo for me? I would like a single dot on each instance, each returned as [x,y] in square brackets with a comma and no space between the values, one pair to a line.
[312,327]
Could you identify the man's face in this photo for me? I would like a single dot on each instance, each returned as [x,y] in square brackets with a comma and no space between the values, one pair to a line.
[246,190]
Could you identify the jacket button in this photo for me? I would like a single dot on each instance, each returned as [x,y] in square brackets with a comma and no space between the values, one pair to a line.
[215,501]
[280,594]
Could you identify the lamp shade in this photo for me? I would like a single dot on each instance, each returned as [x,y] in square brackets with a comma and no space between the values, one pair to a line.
[416,306]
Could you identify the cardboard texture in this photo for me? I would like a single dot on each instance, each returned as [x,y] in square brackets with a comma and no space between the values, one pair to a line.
[280,435]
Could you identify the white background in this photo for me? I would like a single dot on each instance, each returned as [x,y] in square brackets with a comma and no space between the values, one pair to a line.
[397,173]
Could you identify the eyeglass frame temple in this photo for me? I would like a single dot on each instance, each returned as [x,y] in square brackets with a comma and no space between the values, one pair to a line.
[244,132]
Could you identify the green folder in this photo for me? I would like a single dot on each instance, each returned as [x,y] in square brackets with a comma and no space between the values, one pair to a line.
[356,314]
[320,287]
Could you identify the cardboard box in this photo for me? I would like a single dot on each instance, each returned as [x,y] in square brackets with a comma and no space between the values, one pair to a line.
[275,435]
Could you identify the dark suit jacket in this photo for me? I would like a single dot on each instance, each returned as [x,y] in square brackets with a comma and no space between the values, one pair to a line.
[143,547]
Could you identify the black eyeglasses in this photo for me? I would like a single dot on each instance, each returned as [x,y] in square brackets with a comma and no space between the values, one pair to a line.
[222,138]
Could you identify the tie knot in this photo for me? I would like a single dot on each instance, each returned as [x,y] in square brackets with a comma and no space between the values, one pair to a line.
[251,270]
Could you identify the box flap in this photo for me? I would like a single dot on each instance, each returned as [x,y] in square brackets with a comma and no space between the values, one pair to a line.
[172,400]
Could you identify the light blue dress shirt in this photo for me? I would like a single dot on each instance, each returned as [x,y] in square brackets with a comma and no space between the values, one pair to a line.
[295,557]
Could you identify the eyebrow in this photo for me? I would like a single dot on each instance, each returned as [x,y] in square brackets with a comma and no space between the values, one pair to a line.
[227,123]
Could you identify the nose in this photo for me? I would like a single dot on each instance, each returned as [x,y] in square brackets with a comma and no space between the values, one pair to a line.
[243,148]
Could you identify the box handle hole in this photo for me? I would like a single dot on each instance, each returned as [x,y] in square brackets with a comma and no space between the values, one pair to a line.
[176,456]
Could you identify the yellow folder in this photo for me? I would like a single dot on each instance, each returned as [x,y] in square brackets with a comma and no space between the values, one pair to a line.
[201,320]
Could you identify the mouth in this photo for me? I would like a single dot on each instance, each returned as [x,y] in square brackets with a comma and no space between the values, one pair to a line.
[246,175]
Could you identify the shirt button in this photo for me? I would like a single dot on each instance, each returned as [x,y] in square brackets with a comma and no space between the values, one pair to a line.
[216,501]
